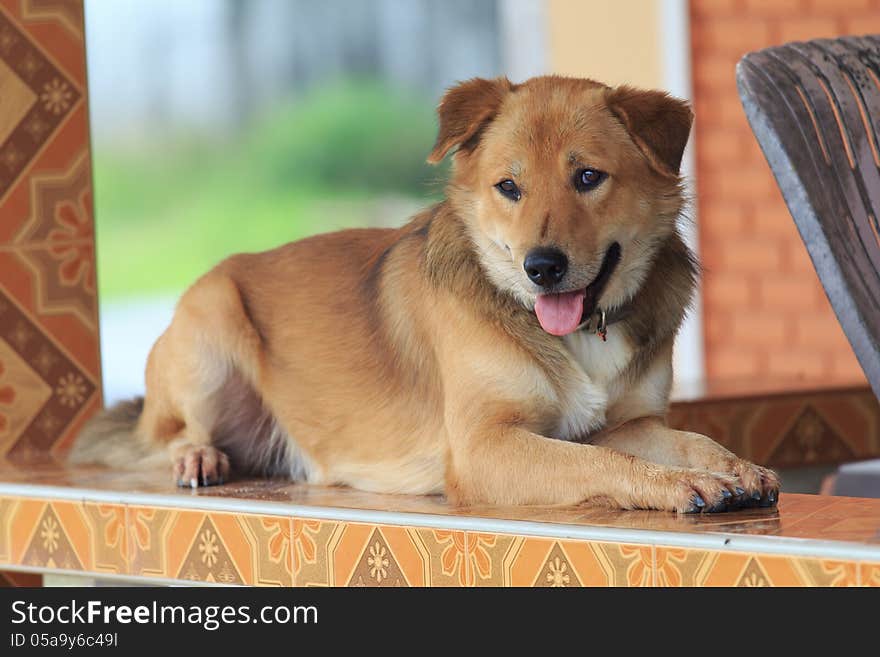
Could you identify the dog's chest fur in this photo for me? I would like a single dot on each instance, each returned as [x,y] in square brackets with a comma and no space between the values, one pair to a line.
[594,383]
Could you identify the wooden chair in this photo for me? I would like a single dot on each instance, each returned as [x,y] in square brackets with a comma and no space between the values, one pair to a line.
[815,110]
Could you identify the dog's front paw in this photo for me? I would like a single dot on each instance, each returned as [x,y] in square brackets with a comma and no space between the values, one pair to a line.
[200,465]
[759,485]
[698,491]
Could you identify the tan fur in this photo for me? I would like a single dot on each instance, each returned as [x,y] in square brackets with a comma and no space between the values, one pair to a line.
[411,360]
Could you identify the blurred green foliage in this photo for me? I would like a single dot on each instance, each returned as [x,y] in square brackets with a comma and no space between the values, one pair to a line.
[354,137]
[170,210]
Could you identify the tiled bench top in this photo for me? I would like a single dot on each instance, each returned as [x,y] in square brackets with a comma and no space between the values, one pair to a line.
[138,525]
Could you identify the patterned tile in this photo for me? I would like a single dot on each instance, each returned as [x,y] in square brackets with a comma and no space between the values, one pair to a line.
[46,389]
[109,538]
[684,567]
[209,547]
[789,430]
[60,237]
[43,93]
[869,574]
[68,13]
[503,560]
[66,535]
[328,553]
[7,507]
[49,356]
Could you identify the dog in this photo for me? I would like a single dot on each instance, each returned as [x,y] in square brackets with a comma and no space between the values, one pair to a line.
[511,345]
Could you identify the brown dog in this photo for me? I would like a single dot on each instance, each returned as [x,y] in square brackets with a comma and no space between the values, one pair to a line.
[511,345]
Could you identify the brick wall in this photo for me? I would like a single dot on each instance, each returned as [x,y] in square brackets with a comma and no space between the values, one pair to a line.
[765,311]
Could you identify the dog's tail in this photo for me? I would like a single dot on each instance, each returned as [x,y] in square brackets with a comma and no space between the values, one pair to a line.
[109,438]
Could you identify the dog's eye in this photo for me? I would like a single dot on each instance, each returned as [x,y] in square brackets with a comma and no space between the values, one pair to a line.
[586,180]
[509,189]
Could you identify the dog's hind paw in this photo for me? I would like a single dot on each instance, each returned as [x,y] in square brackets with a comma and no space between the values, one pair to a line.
[196,466]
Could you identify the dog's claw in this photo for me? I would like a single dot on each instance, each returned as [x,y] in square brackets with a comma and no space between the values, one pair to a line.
[193,483]
[769,500]
[727,494]
[739,491]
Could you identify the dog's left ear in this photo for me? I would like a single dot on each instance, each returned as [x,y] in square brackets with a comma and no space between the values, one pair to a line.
[658,123]
[464,111]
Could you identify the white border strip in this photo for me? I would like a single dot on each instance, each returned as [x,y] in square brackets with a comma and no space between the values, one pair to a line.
[675,52]
[730,542]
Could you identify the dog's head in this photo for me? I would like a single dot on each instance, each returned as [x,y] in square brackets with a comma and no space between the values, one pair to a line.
[567,186]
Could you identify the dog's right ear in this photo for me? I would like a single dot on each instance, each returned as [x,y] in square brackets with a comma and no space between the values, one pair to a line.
[464,111]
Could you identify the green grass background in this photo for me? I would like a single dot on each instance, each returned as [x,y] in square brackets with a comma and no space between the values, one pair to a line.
[172,208]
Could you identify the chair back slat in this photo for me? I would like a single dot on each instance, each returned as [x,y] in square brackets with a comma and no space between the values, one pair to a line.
[815,110]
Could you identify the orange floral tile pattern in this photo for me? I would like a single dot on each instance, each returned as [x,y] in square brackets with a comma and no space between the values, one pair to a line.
[221,548]
[49,357]
[789,430]
[684,567]
[251,549]
[503,560]
[328,553]
[869,574]
[74,536]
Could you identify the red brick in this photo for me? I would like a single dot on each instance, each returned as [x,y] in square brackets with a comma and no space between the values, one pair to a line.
[820,298]
[858,25]
[716,327]
[753,156]
[773,220]
[786,293]
[731,35]
[797,259]
[769,329]
[731,362]
[806,28]
[712,8]
[755,255]
[821,331]
[844,366]
[726,290]
[715,71]
[720,145]
[807,364]
[837,7]
[724,111]
[723,219]
[776,8]
[736,183]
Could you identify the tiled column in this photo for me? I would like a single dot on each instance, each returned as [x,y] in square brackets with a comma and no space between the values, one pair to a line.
[49,356]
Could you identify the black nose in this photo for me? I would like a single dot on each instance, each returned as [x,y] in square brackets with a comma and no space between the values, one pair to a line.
[545,267]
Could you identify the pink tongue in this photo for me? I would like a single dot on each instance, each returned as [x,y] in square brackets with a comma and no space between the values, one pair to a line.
[560,314]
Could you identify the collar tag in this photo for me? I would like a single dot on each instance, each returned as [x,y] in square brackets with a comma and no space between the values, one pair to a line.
[601,327]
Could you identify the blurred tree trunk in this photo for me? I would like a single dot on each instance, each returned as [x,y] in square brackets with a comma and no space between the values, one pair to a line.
[241,79]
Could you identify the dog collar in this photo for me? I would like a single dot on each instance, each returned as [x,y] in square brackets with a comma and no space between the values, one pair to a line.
[604,318]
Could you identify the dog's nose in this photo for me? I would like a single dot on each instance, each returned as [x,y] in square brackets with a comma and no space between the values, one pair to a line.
[545,267]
